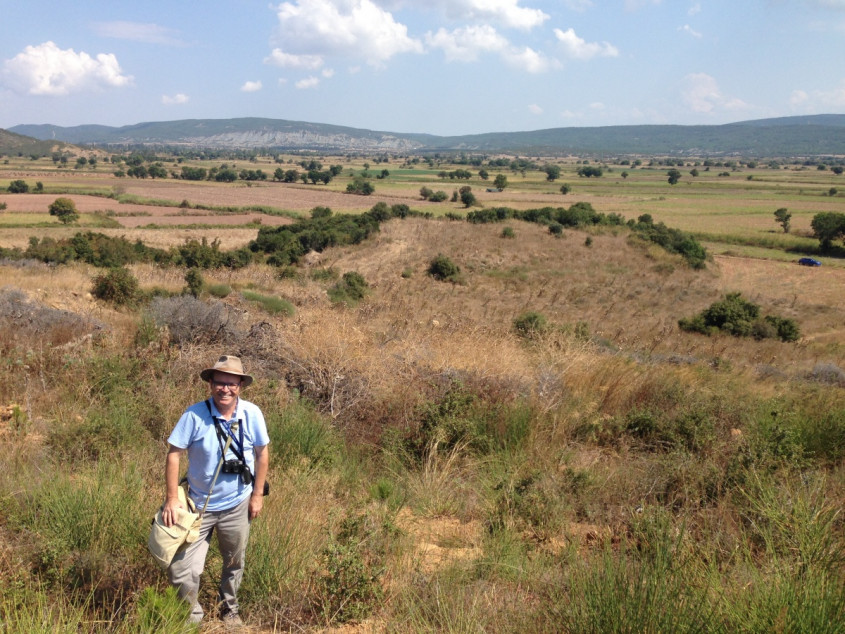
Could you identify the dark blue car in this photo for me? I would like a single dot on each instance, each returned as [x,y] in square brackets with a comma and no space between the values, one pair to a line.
[809,262]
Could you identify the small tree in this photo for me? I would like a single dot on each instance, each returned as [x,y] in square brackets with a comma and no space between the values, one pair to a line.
[782,216]
[552,172]
[467,197]
[674,176]
[827,227]
[65,210]
[565,189]
[18,187]
[118,286]
[194,282]
[501,181]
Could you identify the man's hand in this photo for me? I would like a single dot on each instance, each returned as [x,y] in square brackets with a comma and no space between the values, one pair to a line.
[262,462]
[170,511]
[256,503]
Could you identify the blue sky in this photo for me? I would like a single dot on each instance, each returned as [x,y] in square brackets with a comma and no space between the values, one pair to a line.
[434,66]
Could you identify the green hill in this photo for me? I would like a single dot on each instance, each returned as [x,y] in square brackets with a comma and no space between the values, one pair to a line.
[12,144]
[786,136]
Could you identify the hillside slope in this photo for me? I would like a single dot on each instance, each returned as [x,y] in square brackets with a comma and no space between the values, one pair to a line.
[789,136]
[14,144]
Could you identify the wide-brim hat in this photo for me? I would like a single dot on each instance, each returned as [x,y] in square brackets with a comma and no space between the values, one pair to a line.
[229,365]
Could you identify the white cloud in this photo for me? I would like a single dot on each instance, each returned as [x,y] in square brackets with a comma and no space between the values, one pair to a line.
[695,9]
[578,48]
[46,69]
[507,13]
[700,92]
[327,73]
[535,109]
[279,58]
[308,82]
[819,100]
[251,86]
[138,32]
[686,28]
[798,98]
[350,28]
[465,44]
[176,99]
[528,60]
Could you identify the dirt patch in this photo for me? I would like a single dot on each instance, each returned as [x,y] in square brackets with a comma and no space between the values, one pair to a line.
[439,542]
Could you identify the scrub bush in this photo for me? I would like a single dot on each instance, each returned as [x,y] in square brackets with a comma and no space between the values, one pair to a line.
[118,287]
[443,269]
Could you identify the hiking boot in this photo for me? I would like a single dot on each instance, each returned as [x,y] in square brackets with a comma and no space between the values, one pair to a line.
[232,620]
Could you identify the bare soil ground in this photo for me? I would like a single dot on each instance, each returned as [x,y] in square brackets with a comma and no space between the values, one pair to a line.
[300,198]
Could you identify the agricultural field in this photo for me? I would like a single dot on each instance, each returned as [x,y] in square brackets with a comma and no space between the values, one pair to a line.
[527,443]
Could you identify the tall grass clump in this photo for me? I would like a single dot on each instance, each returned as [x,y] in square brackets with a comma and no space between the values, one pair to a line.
[161,612]
[271,303]
[626,591]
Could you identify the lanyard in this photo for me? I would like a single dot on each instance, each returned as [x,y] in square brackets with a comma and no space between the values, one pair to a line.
[219,426]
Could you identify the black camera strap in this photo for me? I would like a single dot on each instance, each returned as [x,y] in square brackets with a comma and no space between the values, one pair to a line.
[237,444]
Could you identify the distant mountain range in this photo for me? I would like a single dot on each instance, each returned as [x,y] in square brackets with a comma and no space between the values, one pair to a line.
[786,136]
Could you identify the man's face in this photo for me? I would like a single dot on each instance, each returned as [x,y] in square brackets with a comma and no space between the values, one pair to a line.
[225,389]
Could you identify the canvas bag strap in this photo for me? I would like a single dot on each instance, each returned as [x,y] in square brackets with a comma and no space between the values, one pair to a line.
[219,466]
[216,473]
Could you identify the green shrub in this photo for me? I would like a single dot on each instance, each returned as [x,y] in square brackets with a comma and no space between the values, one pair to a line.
[530,324]
[219,290]
[349,290]
[287,273]
[118,287]
[347,585]
[324,275]
[443,269]
[194,282]
[738,317]
[508,232]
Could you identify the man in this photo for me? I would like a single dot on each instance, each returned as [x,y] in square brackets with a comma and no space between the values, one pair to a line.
[237,496]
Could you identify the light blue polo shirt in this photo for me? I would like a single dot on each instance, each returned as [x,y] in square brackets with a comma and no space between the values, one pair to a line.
[195,432]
